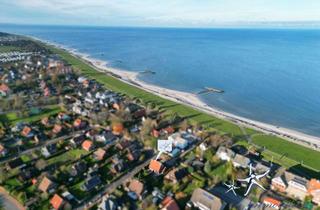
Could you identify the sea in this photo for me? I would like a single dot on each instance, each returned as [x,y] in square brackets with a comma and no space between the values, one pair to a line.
[268,75]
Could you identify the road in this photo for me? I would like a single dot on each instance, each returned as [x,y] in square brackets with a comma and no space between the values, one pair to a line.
[110,188]
[51,141]
[240,202]
[7,202]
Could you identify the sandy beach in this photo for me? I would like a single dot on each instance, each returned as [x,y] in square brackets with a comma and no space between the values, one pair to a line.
[194,101]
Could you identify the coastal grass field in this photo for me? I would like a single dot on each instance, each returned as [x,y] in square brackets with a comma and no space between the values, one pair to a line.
[290,153]
[294,153]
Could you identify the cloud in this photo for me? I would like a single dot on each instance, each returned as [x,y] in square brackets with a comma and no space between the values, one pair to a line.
[155,12]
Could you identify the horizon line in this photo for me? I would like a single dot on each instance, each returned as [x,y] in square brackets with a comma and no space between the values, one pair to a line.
[222,25]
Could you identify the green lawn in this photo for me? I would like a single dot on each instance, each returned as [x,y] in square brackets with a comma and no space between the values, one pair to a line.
[4,49]
[289,151]
[70,155]
[13,118]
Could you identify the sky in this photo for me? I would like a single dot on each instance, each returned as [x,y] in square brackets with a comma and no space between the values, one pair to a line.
[170,13]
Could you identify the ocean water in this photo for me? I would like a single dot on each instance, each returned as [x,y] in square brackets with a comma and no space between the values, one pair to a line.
[268,75]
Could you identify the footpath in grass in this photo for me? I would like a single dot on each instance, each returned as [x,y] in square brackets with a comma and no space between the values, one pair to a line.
[290,150]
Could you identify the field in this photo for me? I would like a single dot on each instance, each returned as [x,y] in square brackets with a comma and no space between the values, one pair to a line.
[4,49]
[13,118]
[294,153]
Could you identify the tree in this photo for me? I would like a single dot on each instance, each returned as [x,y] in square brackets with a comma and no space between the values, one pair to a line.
[41,164]
[184,125]
[146,128]
[17,102]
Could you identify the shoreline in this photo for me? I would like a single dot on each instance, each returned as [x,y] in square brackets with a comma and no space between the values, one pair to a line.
[192,100]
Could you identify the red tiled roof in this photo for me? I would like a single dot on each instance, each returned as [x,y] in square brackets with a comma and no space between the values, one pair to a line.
[313,185]
[56,201]
[169,203]
[34,181]
[272,201]
[87,145]
[26,130]
[169,130]
[45,184]
[57,128]
[156,166]
[136,186]
[100,153]
[155,133]
[117,128]
[4,87]
[77,122]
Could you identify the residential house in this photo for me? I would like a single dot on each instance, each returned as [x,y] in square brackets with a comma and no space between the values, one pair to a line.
[133,155]
[77,140]
[87,145]
[156,167]
[49,150]
[167,130]
[178,141]
[106,137]
[76,109]
[225,154]
[79,124]
[4,90]
[314,190]
[204,200]
[27,174]
[57,202]
[46,185]
[63,116]
[117,129]
[99,154]
[136,189]
[91,134]
[279,184]
[57,129]
[271,203]
[122,145]
[27,132]
[91,183]
[297,187]
[293,185]
[108,203]
[118,165]
[240,161]
[3,150]
[16,163]
[176,175]
[168,203]
[45,121]
[78,168]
